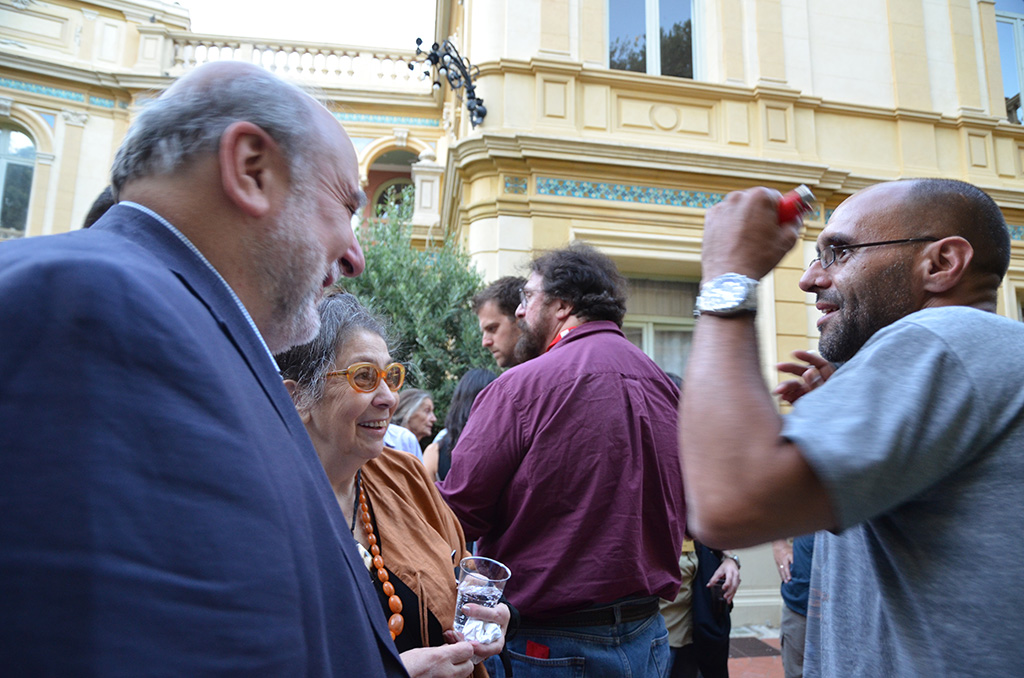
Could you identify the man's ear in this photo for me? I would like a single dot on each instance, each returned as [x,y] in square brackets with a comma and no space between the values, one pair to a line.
[251,167]
[563,309]
[945,263]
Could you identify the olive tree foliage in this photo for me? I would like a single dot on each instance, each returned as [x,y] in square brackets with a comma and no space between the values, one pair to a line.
[426,296]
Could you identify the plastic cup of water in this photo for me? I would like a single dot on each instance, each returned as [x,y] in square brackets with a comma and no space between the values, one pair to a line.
[481,581]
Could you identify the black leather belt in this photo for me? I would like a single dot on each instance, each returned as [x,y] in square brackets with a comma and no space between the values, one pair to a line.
[630,610]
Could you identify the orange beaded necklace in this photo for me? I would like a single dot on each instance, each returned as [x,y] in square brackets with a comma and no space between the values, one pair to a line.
[396,623]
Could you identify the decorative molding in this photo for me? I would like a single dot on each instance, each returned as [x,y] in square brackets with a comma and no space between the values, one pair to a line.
[90,15]
[33,88]
[387,120]
[489,148]
[100,101]
[649,195]
[515,185]
[1016,231]
[5,106]
[76,118]
[401,136]
[45,158]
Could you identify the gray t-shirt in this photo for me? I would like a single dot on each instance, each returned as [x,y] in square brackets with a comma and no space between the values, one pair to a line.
[919,441]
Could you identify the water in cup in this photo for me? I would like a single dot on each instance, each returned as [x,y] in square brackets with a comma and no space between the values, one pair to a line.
[481,582]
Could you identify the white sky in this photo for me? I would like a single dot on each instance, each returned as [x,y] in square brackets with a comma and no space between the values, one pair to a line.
[376,23]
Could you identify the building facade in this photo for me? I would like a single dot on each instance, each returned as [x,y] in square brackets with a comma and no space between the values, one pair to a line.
[618,122]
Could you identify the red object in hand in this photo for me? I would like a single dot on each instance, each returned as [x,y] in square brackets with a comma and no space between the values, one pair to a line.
[795,204]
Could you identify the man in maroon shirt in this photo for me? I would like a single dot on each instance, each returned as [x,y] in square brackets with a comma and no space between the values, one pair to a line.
[568,472]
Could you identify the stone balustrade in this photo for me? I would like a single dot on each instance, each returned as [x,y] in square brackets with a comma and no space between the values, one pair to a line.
[313,63]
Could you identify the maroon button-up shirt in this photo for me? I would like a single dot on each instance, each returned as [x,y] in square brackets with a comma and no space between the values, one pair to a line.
[568,472]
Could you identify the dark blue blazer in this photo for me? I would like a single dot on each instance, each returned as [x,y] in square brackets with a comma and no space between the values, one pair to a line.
[162,510]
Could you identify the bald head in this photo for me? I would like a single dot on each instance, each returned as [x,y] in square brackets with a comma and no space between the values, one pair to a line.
[188,119]
[948,207]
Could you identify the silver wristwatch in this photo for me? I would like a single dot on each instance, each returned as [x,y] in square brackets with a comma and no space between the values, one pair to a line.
[727,295]
[732,556]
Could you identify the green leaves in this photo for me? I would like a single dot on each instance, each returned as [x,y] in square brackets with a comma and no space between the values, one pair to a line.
[426,296]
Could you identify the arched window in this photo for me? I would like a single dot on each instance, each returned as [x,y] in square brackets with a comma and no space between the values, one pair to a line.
[17,160]
[390,191]
[392,170]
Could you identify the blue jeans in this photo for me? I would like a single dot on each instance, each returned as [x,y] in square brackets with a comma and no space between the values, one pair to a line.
[630,650]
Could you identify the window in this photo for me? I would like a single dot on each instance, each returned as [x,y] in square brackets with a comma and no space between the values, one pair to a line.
[651,36]
[391,192]
[1010,30]
[17,160]
[659,320]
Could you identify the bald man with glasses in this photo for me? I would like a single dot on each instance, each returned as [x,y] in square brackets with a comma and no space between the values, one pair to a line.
[907,460]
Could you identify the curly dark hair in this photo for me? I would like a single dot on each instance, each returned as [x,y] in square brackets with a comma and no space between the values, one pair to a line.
[586,278]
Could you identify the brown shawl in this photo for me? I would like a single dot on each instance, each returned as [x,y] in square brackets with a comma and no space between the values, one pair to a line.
[418,533]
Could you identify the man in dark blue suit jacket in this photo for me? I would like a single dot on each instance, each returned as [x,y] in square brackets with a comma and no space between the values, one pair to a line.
[164,512]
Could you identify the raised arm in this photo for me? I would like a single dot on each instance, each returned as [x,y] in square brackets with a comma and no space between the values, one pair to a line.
[745,484]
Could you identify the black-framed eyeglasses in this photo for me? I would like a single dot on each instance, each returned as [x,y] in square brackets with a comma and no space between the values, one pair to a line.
[833,253]
[365,377]
[525,295]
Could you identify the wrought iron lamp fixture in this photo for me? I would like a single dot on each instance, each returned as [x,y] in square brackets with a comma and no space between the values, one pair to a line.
[457,71]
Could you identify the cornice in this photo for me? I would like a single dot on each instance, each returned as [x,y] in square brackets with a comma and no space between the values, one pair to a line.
[488,149]
[665,88]
[976,118]
[127,82]
[651,86]
[597,161]
[1005,198]
[66,72]
[149,11]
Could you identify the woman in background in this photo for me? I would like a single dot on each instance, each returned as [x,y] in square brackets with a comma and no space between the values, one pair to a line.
[416,412]
[438,455]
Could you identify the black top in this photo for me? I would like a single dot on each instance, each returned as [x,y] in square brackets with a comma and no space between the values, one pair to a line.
[409,638]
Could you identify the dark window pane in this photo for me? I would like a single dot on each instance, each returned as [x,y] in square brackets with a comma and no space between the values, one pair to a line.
[17,185]
[676,39]
[1009,60]
[627,35]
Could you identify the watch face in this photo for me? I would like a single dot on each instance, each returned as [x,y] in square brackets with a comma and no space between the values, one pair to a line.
[728,293]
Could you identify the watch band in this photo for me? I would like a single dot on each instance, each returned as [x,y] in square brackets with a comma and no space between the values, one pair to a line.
[729,294]
[733,557]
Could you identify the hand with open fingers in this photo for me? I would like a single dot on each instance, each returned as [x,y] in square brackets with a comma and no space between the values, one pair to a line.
[499,614]
[742,235]
[447,661]
[730,573]
[811,374]
[782,551]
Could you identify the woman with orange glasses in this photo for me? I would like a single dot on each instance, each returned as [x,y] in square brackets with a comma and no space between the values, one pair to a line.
[344,386]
